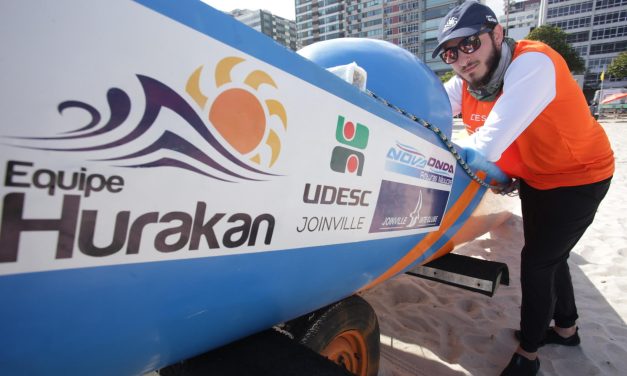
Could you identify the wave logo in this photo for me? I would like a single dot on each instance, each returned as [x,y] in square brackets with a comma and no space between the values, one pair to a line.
[211,136]
[349,160]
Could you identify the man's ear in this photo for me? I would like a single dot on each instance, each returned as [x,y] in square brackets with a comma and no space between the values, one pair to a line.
[497,32]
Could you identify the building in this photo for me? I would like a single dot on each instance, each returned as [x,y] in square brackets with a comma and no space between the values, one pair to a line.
[520,18]
[277,28]
[411,24]
[320,20]
[597,29]
[433,13]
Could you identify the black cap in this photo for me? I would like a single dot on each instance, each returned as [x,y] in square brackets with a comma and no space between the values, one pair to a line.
[464,20]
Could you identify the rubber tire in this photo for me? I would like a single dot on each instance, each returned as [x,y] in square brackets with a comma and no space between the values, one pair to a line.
[352,313]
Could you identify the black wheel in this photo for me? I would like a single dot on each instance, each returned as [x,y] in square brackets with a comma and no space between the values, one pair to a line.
[346,332]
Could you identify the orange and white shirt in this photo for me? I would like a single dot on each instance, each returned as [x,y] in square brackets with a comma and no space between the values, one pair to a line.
[539,128]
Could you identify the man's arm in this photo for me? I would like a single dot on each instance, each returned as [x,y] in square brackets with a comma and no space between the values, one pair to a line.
[453,88]
[529,86]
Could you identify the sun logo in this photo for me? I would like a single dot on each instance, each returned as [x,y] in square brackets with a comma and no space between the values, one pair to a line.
[239,116]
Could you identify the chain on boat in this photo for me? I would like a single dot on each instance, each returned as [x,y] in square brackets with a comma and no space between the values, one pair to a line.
[449,145]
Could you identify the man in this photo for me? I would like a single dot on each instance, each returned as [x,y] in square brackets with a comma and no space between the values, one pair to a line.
[525,112]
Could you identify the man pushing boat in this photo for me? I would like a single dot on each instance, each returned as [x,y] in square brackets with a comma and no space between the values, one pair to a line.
[524,111]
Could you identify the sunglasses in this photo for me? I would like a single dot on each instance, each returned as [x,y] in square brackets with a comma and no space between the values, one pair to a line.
[467,45]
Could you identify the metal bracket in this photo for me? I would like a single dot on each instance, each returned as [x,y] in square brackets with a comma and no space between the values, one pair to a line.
[466,272]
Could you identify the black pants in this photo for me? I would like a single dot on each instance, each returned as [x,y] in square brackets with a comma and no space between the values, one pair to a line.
[554,220]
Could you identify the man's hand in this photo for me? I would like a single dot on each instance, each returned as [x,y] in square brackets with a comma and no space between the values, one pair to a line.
[508,189]
[478,161]
[502,184]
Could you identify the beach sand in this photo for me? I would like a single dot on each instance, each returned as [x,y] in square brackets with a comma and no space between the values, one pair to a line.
[429,328]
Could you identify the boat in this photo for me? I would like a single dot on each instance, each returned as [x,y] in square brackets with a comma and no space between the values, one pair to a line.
[174,181]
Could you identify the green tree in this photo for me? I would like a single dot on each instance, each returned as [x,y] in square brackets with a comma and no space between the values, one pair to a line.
[556,38]
[618,67]
[447,76]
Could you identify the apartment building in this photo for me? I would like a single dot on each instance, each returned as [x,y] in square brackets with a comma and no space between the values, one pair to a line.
[520,18]
[318,20]
[411,24]
[597,29]
[434,11]
[278,28]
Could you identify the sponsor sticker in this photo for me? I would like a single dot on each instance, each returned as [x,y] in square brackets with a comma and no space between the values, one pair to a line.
[408,207]
[407,160]
[348,159]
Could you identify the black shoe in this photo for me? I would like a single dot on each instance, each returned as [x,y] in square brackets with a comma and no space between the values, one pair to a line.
[552,338]
[521,366]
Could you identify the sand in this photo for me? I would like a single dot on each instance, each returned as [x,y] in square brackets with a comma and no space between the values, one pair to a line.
[428,328]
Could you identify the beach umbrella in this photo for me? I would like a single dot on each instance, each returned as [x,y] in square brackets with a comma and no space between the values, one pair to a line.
[613,97]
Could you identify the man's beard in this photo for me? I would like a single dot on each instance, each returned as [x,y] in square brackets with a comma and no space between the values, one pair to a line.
[492,62]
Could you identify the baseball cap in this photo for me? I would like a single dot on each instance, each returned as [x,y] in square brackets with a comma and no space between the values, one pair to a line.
[464,20]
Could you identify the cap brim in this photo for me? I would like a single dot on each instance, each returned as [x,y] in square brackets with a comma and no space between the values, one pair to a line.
[459,33]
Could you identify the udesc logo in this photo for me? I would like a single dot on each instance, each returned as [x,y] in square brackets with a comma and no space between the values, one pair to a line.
[349,160]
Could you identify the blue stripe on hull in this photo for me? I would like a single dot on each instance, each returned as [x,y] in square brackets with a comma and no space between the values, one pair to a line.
[134,318]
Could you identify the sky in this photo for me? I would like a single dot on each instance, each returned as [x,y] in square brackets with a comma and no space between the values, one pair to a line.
[285,8]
